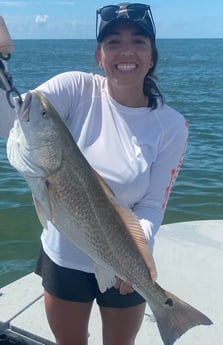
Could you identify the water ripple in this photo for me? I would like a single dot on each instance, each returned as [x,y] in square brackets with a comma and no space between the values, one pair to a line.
[190,76]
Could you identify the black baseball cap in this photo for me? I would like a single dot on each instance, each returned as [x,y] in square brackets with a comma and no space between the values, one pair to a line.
[139,14]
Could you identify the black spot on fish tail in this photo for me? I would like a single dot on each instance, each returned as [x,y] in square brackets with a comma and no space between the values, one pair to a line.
[47,183]
[169,302]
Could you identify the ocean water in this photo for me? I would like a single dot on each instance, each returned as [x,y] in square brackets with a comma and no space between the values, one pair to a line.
[190,77]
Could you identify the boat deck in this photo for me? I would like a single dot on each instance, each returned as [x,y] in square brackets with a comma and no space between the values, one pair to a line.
[189,259]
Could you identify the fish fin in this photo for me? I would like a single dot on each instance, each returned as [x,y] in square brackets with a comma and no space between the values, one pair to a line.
[135,230]
[106,279]
[176,317]
[43,205]
[133,225]
[40,213]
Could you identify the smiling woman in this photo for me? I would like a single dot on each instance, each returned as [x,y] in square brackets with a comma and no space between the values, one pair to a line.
[137,144]
[139,18]
[125,54]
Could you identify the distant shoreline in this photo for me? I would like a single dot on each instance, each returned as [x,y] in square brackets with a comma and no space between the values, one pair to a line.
[93,39]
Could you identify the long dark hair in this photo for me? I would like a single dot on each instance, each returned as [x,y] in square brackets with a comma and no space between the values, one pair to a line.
[150,87]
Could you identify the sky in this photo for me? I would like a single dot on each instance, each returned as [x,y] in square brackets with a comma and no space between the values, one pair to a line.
[37,19]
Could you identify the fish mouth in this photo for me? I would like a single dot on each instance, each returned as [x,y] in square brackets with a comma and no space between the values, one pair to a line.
[23,109]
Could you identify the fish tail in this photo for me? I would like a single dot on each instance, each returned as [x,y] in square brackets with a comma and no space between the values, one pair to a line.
[176,317]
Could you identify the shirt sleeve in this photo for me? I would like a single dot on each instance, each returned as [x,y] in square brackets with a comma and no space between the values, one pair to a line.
[150,209]
[64,92]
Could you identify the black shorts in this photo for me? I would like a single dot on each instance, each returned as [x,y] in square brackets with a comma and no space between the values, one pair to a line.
[78,286]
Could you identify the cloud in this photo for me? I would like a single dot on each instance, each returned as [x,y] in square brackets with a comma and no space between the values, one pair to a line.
[41,19]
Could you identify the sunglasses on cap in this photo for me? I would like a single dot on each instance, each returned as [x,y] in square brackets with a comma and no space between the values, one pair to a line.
[139,13]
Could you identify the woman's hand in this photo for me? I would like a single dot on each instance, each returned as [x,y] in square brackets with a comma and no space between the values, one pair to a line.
[124,287]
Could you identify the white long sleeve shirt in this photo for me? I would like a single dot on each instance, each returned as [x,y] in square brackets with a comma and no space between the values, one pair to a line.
[138,151]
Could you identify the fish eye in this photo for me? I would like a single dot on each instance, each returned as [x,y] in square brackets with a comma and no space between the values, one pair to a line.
[44,114]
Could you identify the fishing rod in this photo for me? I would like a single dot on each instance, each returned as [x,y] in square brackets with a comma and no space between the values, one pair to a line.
[6,80]
[6,84]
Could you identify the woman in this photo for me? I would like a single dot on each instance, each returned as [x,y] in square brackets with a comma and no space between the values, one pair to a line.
[136,143]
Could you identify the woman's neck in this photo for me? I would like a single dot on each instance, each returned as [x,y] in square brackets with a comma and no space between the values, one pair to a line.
[133,98]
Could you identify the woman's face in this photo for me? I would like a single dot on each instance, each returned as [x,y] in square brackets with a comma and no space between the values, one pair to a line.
[125,54]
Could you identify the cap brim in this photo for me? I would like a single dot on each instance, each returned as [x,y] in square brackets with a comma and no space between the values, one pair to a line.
[105,27]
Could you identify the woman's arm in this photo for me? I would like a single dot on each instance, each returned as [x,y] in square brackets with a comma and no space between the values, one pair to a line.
[151,208]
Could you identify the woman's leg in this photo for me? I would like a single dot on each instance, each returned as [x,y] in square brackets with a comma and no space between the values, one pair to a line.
[68,296]
[121,325]
[68,320]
